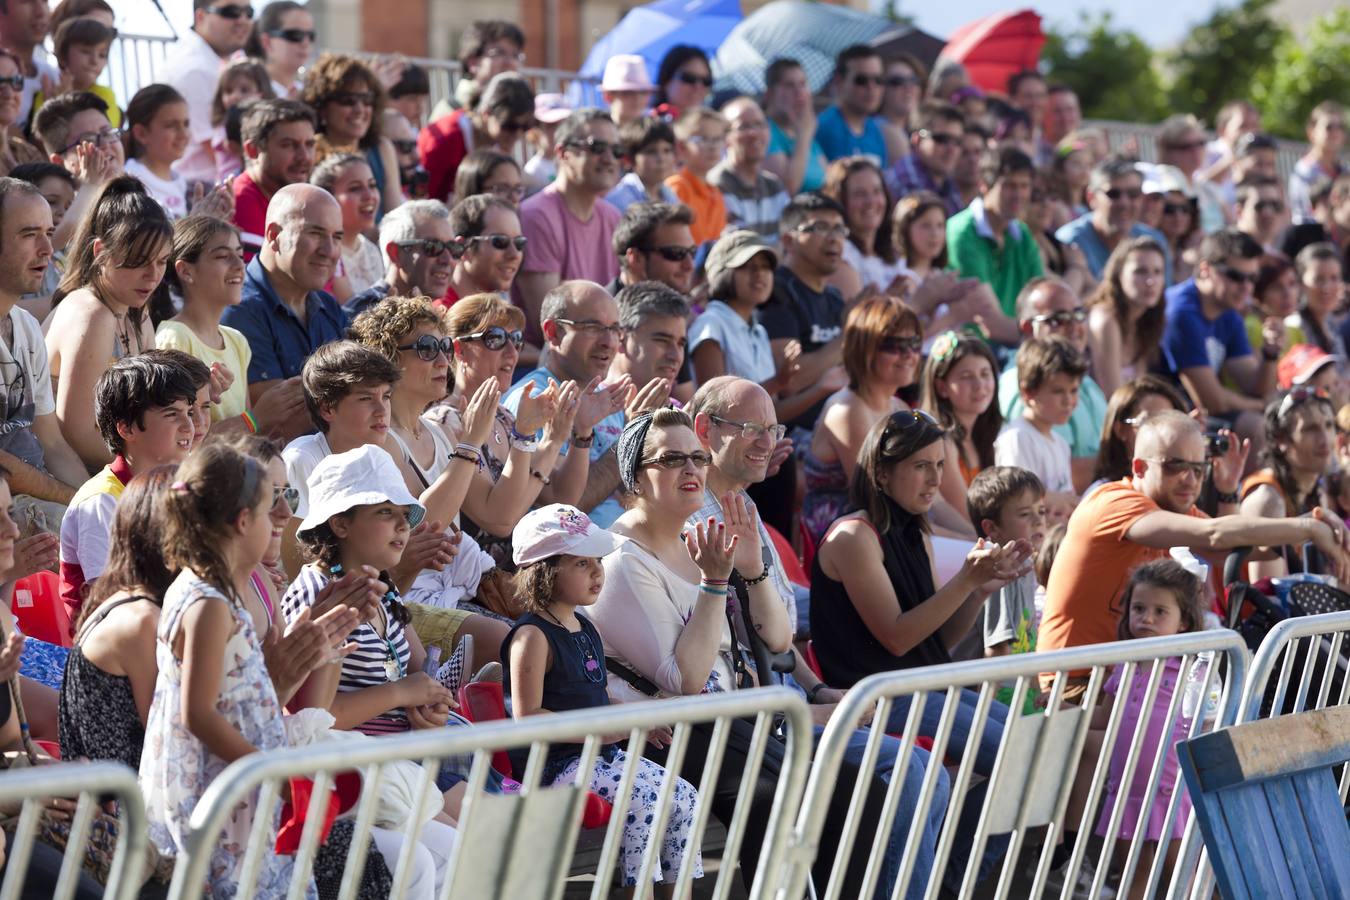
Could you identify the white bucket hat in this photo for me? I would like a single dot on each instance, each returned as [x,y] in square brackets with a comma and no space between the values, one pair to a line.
[557,529]
[626,72]
[361,477]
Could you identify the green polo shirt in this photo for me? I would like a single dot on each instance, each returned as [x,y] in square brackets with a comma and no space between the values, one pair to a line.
[972,251]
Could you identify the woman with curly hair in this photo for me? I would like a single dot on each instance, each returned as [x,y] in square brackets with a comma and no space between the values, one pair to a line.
[348,99]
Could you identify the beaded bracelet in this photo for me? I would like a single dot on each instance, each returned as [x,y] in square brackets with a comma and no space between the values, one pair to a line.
[751,582]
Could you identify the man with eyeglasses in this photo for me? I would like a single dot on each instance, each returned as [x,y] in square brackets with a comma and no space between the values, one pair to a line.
[1182,143]
[415,239]
[219,29]
[65,123]
[852,126]
[1325,129]
[754,197]
[487,48]
[284,312]
[653,243]
[1126,523]
[987,240]
[1262,213]
[568,225]
[23,29]
[279,141]
[504,113]
[1046,308]
[935,147]
[1205,338]
[1115,197]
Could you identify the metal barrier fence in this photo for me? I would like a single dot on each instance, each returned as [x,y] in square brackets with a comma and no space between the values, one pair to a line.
[1029,770]
[522,845]
[1300,665]
[90,782]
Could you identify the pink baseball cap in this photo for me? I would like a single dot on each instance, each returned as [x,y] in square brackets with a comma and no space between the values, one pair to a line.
[559,529]
[626,72]
[1300,363]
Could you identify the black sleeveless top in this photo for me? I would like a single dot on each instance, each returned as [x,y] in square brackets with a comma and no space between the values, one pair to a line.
[845,647]
[97,717]
[575,680]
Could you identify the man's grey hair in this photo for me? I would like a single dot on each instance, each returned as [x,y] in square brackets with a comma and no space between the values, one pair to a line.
[556,301]
[401,223]
[1110,169]
[647,299]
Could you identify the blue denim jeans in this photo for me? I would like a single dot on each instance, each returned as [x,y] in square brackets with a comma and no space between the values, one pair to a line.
[986,751]
[906,807]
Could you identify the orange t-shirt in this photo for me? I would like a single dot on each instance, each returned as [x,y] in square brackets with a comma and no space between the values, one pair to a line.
[1082,601]
[706,202]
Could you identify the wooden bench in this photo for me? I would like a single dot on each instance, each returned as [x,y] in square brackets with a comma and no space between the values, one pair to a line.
[1268,805]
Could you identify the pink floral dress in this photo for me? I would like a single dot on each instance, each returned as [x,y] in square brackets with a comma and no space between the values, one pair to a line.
[176,768]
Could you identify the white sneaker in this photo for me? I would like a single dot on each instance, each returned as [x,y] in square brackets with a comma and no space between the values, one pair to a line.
[1082,887]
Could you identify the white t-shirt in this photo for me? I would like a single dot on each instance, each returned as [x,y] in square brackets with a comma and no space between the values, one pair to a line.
[171,194]
[302,455]
[873,270]
[193,68]
[1046,456]
[31,86]
[29,353]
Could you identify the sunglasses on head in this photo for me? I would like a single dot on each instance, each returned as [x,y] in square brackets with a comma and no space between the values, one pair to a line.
[673,460]
[355,98]
[501,241]
[672,253]
[290,494]
[691,79]
[1063,318]
[1299,396]
[942,140]
[908,418]
[231,11]
[294,35]
[428,346]
[495,338]
[911,344]
[1235,275]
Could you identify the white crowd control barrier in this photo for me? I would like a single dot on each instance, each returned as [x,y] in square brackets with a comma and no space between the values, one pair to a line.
[89,782]
[1300,665]
[1027,786]
[521,846]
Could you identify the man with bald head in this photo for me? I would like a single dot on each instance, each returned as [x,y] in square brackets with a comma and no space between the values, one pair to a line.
[1125,523]
[1047,307]
[285,312]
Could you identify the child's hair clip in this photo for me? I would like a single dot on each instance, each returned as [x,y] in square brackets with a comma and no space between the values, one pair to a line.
[180,487]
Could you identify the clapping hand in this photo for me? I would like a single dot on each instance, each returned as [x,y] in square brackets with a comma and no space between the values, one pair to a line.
[218,202]
[10,652]
[219,383]
[742,524]
[360,589]
[599,401]
[781,451]
[711,548]
[653,395]
[480,412]
[559,427]
[536,407]
[33,554]
[991,565]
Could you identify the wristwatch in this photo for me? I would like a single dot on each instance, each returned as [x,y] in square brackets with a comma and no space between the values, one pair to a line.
[812,694]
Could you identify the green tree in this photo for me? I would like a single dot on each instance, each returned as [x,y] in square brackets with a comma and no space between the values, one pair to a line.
[1305,72]
[1223,57]
[1110,69]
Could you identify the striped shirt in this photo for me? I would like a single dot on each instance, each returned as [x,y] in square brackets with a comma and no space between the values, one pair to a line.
[368,666]
[756,207]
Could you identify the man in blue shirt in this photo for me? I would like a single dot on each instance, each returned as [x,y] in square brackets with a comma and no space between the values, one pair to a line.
[851,127]
[284,312]
[1205,337]
[1115,196]
[936,146]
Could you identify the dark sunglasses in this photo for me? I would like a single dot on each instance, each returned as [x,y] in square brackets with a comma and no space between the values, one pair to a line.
[673,253]
[1237,276]
[502,241]
[937,137]
[405,146]
[1188,145]
[902,80]
[231,11]
[432,247]
[1176,209]
[291,495]
[13,82]
[673,460]
[516,126]
[691,79]
[1172,467]
[1127,193]
[1275,206]
[354,98]
[1063,318]
[861,80]
[911,344]
[294,35]
[593,147]
[428,346]
[495,338]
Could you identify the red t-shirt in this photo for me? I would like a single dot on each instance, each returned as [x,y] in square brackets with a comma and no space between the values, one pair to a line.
[441,147]
[250,213]
[448,299]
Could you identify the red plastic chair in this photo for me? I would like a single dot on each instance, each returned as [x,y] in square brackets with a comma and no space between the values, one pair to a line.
[38,607]
[483,701]
[792,567]
[925,743]
[51,748]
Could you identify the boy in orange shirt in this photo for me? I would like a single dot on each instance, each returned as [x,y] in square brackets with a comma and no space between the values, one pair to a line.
[700,141]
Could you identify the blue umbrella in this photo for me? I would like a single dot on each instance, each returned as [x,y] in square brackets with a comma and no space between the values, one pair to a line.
[650,31]
[811,33]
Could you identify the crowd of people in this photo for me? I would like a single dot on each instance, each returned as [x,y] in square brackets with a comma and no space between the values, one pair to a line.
[322,403]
